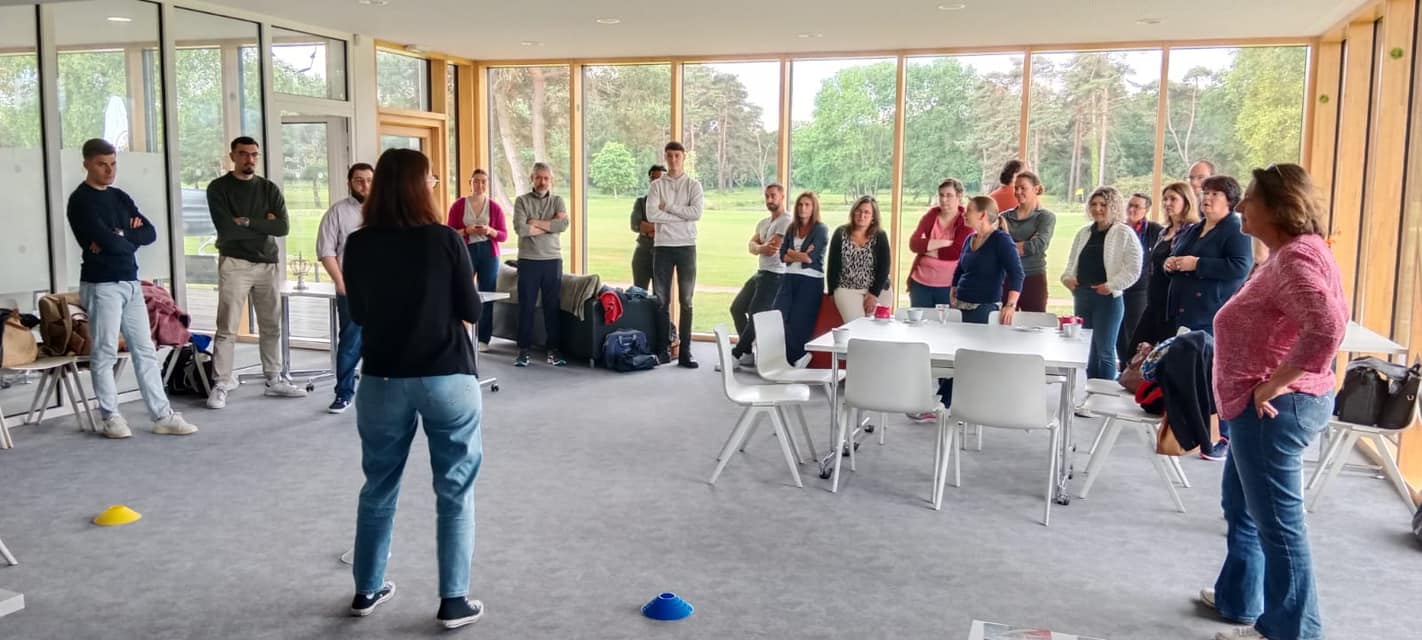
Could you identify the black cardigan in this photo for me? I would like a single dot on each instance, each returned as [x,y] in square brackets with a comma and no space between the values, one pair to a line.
[1153,231]
[835,263]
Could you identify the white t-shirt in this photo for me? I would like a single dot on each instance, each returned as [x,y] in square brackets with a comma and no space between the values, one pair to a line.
[764,231]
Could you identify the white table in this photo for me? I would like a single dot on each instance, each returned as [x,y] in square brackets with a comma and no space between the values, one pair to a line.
[318,290]
[486,297]
[944,340]
[1360,339]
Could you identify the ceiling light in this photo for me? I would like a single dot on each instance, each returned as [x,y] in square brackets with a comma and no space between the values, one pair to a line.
[373,3]
[1148,21]
[952,6]
[609,20]
[809,34]
[120,19]
[531,43]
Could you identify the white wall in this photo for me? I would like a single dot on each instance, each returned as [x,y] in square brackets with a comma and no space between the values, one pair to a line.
[365,139]
[24,231]
[141,176]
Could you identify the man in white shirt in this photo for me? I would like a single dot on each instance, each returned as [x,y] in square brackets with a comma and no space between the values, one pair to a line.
[758,294]
[674,204]
[337,224]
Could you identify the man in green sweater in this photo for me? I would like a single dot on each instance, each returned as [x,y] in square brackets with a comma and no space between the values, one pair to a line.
[249,213]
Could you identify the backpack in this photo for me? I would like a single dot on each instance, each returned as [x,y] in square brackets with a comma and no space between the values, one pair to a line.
[1378,392]
[626,350]
[17,342]
[190,372]
[64,325]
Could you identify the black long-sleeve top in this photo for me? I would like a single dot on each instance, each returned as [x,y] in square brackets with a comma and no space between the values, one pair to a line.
[411,290]
[103,219]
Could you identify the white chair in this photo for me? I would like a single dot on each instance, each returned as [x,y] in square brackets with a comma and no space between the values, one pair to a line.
[1028,319]
[887,377]
[981,398]
[1121,412]
[5,553]
[59,375]
[771,365]
[1343,436]
[758,400]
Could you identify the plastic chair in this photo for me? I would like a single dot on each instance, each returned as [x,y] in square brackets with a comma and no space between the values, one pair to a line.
[1122,412]
[891,377]
[980,398]
[59,375]
[1028,319]
[759,400]
[5,553]
[1343,436]
[770,362]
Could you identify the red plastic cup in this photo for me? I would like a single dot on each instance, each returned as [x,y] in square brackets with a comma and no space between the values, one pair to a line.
[882,312]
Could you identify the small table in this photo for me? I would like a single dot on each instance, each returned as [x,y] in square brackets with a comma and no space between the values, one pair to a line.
[1065,354]
[1360,339]
[318,290]
[486,297]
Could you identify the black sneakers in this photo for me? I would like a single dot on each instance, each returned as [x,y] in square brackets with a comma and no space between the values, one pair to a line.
[458,612]
[364,604]
[339,405]
[556,359]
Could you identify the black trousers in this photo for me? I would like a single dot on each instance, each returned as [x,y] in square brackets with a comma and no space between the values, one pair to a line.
[642,265]
[756,296]
[539,279]
[682,261]
[1135,308]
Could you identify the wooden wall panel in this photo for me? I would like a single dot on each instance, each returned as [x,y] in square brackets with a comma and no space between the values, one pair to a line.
[1345,220]
[1324,125]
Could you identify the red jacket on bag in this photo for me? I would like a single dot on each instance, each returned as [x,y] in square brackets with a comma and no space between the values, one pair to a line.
[167,321]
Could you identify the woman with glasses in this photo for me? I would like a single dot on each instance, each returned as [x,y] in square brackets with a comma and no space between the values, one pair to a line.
[480,222]
[858,262]
[802,288]
[936,243]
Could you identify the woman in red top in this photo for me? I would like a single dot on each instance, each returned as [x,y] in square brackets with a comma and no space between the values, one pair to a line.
[1003,195]
[480,222]
[1274,346]
[936,244]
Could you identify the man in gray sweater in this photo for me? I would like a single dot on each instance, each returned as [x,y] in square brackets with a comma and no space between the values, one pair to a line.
[674,204]
[539,217]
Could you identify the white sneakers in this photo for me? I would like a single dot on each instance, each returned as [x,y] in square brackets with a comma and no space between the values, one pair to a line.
[218,398]
[483,347]
[173,425]
[1207,597]
[280,388]
[1241,633]
[116,427]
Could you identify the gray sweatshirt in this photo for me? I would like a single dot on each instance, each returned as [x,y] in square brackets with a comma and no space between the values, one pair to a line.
[676,226]
[532,206]
[1035,232]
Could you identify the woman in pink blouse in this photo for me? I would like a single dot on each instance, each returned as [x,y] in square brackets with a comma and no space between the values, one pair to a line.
[480,222]
[1274,346]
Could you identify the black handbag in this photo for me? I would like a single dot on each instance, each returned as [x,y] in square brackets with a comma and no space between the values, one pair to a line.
[1401,403]
[1378,392]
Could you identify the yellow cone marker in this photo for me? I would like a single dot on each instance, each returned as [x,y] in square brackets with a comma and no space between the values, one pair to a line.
[117,515]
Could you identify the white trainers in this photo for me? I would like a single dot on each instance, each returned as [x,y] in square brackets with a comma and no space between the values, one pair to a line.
[1207,597]
[284,389]
[173,425]
[1240,633]
[483,347]
[218,398]
[803,362]
[116,427]
[746,361]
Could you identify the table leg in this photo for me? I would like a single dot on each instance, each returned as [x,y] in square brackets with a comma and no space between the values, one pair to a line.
[286,337]
[335,328]
[827,462]
[1066,410]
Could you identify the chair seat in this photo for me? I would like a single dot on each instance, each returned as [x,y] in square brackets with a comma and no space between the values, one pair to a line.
[803,376]
[1118,407]
[44,364]
[1051,411]
[760,394]
[1102,386]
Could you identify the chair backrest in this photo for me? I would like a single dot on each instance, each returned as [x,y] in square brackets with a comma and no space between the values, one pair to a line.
[889,376]
[728,362]
[770,342]
[1000,389]
[929,313]
[1028,319]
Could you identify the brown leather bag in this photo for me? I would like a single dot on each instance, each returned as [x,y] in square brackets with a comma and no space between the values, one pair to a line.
[17,342]
[1167,445]
[64,325]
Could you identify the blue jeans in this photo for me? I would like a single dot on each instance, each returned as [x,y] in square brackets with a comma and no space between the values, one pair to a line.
[388,411]
[347,350]
[1267,575]
[118,308]
[799,301]
[1102,314]
[486,277]
[922,295]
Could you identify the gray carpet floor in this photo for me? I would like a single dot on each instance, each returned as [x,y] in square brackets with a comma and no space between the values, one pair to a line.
[593,499]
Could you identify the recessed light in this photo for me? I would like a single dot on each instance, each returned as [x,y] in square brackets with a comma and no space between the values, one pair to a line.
[609,20]
[373,3]
[1148,21]
[952,6]
[119,19]
[809,34]
[531,43]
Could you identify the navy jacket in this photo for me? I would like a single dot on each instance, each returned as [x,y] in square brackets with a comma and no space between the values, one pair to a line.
[817,241]
[981,274]
[102,219]
[1225,260]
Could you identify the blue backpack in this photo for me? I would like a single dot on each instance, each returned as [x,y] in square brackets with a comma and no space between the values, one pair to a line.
[626,350]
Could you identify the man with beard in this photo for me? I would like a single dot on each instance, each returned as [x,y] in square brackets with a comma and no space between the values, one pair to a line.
[758,294]
[336,225]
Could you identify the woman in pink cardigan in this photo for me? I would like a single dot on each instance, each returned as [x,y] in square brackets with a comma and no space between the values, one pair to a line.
[480,221]
[1273,376]
[936,243]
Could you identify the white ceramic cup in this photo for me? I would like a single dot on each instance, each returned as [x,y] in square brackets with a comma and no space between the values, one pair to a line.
[841,336]
[915,314]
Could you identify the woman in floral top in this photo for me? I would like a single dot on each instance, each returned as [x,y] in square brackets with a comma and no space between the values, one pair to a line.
[858,269]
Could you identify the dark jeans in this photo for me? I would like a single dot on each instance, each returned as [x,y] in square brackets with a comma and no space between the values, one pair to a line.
[642,265]
[799,301]
[1102,315]
[1135,308]
[756,296]
[922,295]
[347,350]
[1034,293]
[539,279]
[976,316]
[1267,577]
[486,276]
[682,260]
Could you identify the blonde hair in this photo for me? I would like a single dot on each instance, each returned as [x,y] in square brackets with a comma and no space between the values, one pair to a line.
[985,205]
[1115,204]
[1191,214]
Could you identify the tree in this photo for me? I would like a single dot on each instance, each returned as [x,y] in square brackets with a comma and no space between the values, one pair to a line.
[848,145]
[613,168]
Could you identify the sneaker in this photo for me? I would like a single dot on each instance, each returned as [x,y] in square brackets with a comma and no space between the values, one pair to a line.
[1216,452]
[458,612]
[556,359]
[364,604]
[116,427]
[1083,412]
[803,362]
[687,363]
[522,359]
[746,360]
[218,398]
[483,347]
[277,387]
[1207,597]
[173,425]
[927,416]
[339,405]
[1240,633]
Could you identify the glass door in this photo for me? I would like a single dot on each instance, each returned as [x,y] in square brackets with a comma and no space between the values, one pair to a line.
[315,155]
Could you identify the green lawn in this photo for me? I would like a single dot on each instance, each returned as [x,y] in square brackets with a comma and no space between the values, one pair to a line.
[722,262]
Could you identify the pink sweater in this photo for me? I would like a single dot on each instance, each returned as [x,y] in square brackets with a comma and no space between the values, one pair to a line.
[1290,312]
[496,222]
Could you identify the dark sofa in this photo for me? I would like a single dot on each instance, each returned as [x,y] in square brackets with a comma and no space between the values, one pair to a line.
[581,339]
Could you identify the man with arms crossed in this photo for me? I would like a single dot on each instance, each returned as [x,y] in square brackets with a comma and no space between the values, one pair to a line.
[110,229]
[249,213]
[336,225]
[758,294]
[539,218]
[674,204]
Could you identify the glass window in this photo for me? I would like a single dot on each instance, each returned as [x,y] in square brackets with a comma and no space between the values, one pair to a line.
[110,87]
[308,65]
[391,141]
[1239,108]
[401,81]
[962,116]
[731,129]
[626,124]
[451,111]
[528,122]
[219,98]
[842,135]
[1092,123]
[24,247]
